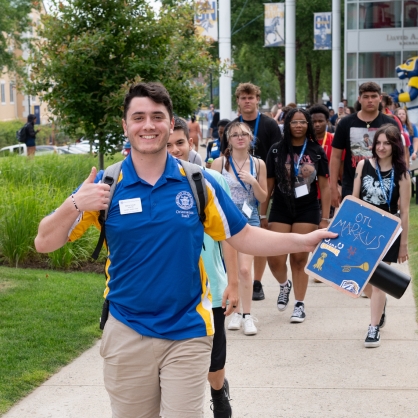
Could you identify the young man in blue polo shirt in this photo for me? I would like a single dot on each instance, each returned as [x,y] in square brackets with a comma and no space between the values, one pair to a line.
[157,341]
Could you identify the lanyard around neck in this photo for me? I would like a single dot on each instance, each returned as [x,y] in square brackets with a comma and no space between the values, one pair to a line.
[296,166]
[236,174]
[255,129]
[392,177]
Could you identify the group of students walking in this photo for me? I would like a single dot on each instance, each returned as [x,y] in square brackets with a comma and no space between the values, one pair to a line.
[367,158]
[169,285]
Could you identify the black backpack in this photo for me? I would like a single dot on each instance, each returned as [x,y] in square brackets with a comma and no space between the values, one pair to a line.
[21,134]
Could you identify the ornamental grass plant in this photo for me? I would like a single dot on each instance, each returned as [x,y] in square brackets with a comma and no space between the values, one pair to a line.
[32,188]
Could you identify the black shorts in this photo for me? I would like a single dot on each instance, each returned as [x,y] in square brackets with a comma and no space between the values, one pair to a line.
[310,216]
[218,356]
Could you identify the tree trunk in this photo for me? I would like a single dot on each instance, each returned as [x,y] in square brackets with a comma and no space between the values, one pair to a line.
[310,81]
[101,161]
[282,82]
[316,83]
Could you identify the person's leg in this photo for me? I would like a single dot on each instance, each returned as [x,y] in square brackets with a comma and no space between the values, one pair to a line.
[245,262]
[196,144]
[183,367]
[278,268]
[246,292]
[277,263]
[130,371]
[31,151]
[300,278]
[377,303]
[259,267]
[219,387]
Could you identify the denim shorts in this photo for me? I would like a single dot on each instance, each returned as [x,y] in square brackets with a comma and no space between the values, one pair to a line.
[254,220]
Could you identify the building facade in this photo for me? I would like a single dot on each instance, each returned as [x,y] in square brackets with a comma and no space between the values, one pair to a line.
[14,104]
[379,35]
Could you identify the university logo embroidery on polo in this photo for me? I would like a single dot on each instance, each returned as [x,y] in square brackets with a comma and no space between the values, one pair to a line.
[184,200]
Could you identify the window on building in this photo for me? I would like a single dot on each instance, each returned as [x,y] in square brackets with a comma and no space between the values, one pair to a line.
[382,14]
[378,64]
[12,93]
[410,14]
[33,99]
[3,93]
[409,54]
[352,65]
[352,18]
[352,92]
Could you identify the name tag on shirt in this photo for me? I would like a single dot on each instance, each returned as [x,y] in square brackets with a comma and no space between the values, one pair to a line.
[301,190]
[130,206]
[247,209]
[214,147]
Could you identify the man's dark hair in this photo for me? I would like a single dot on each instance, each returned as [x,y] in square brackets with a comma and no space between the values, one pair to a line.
[319,109]
[155,91]
[31,117]
[181,125]
[370,86]
[223,122]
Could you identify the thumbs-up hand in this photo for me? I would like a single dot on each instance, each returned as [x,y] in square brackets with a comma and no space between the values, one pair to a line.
[92,196]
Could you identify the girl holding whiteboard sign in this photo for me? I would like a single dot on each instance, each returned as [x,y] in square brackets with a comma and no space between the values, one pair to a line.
[383,181]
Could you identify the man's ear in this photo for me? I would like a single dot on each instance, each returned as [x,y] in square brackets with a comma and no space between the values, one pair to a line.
[125,131]
[191,142]
[172,126]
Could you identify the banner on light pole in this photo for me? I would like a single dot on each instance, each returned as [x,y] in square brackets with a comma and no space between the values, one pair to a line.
[322,31]
[273,24]
[206,18]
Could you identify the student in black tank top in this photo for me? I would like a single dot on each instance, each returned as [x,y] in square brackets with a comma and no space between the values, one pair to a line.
[384,181]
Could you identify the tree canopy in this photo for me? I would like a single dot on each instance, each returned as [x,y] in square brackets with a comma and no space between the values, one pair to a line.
[89,51]
[14,21]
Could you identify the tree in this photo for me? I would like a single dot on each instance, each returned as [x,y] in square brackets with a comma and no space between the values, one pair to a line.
[14,21]
[313,67]
[91,50]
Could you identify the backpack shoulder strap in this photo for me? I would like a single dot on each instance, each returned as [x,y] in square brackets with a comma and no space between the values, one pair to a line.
[197,184]
[110,177]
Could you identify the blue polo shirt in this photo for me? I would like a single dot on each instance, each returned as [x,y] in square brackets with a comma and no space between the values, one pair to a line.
[156,280]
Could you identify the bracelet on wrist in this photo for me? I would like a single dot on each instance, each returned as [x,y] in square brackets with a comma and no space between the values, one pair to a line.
[326,219]
[75,204]
[263,216]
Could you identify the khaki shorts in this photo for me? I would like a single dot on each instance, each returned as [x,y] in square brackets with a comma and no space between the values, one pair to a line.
[151,377]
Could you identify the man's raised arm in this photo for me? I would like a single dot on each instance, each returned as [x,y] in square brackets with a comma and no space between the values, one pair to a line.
[54,228]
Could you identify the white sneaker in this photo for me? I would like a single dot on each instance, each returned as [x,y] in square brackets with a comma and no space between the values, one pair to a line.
[249,327]
[235,322]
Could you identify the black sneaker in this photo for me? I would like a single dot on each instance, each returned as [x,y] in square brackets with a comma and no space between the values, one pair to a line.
[284,294]
[298,313]
[383,317]
[373,337]
[258,293]
[220,403]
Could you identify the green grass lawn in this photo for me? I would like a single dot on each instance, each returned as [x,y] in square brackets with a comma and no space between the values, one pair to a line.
[47,319]
[413,247]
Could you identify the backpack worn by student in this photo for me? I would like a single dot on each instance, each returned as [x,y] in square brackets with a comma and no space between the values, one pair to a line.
[21,134]
[110,176]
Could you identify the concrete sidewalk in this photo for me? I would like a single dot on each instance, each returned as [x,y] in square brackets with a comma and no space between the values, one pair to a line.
[315,369]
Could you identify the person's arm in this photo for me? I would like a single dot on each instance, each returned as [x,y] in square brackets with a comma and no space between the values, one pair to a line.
[54,228]
[264,205]
[259,186]
[231,291]
[258,241]
[357,179]
[334,175]
[199,132]
[415,145]
[405,197]
[217,165]
[323,184]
